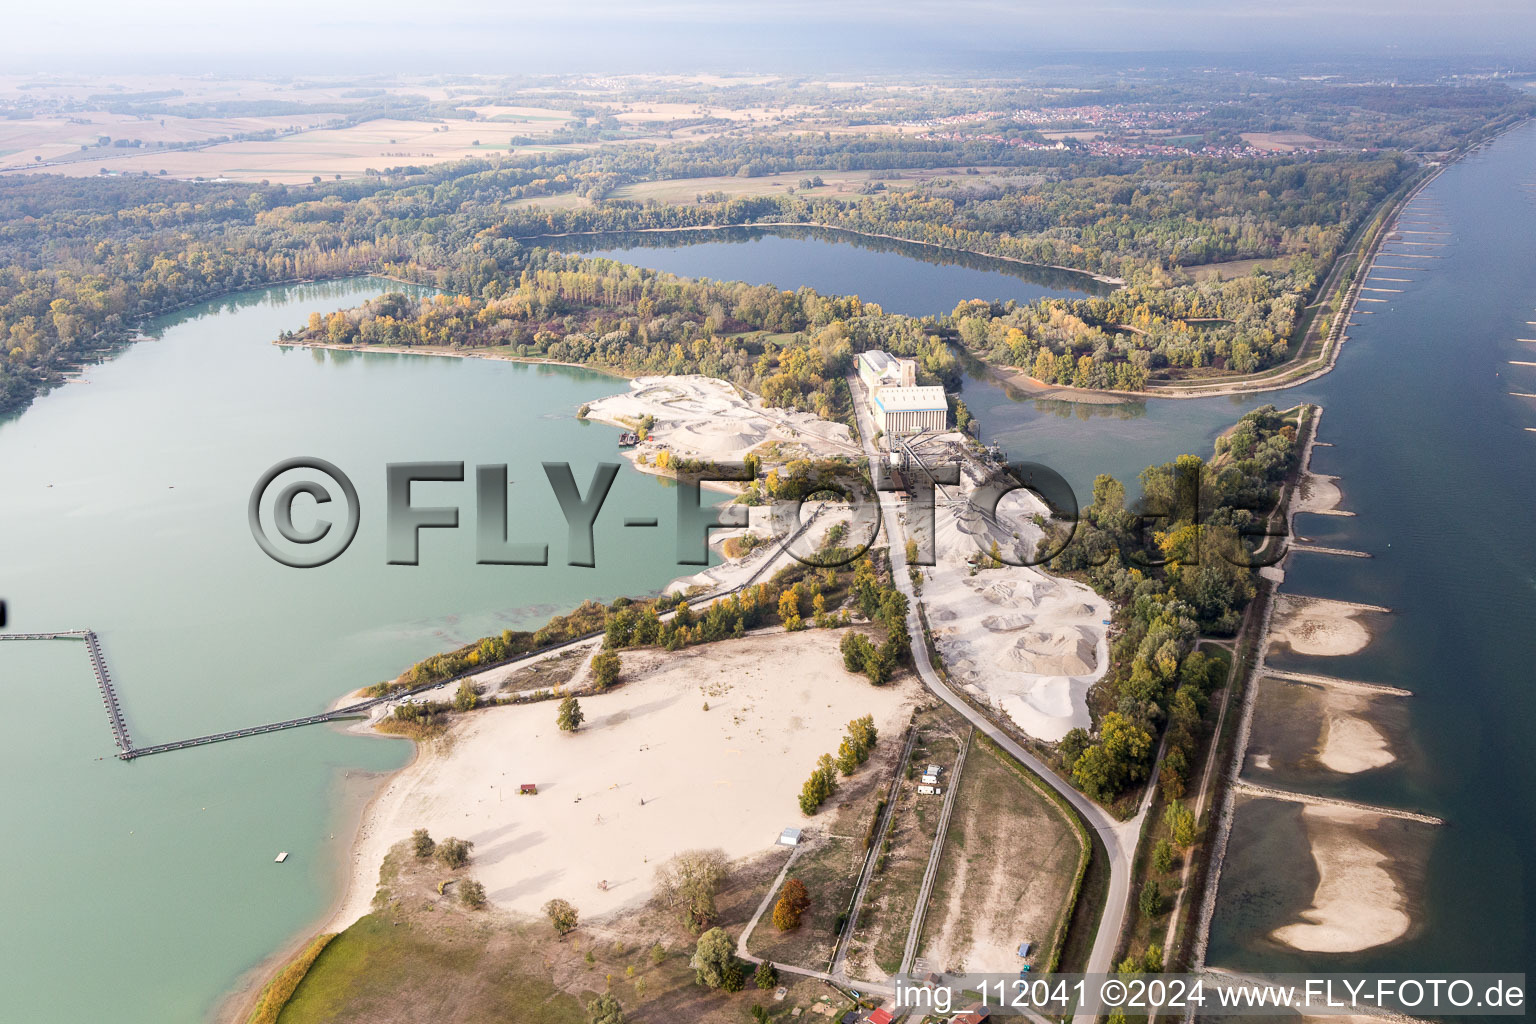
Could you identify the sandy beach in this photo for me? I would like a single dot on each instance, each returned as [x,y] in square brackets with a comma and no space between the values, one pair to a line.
[1317,626]
[1317,493]
[1350,744]
[651,773]
[1358,904]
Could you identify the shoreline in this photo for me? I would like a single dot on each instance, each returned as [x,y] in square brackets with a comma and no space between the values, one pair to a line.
[415,790]
[357,799]
[356,813]
[447,353]
[1289,374]
[1246,691]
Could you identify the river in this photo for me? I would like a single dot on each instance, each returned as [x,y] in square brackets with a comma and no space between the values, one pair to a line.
[124,511]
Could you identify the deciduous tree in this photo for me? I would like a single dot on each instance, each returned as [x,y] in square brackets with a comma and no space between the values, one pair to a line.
[569,718]
[561,915]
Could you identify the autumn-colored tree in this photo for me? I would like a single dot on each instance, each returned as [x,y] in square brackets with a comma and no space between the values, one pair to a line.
[454,853]
[793,902]
[561,915]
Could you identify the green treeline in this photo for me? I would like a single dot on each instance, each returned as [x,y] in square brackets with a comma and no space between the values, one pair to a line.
[83,260]
[794,348]
[1175,565]
[1146,214]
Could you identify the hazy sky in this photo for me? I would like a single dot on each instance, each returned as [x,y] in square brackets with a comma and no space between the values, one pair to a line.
[511,35]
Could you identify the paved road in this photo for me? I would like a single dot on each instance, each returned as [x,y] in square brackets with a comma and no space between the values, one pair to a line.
[1119,838]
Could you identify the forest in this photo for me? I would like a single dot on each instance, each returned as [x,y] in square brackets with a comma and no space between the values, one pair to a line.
[1175,563]
[793,348]
[84,261]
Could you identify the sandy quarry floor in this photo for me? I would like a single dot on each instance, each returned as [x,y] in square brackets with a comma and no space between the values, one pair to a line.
[1358,903]
[705,418]
[724,778]
[1029,643]
[767,559]
[1317,626]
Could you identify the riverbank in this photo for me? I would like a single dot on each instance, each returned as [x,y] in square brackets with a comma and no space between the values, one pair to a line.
[1341,871]
[358,792]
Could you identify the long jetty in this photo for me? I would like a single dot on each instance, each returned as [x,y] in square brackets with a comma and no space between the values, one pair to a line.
[1312,799]
[126,751]
[1334,682]
[103,678]
[108,693]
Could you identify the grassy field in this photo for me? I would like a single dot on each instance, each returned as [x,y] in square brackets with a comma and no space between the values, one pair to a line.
[1006,875]
[546,673]
[891,897]
[846,184]
[422,956]
[563,201]
[1233,269]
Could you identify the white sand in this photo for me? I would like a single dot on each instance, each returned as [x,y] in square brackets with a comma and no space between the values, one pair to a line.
[725,778]
[1318,626]
[705,418]
[1028,642]
[767,559]
[1358,903]
[1316,492]
[1351,744]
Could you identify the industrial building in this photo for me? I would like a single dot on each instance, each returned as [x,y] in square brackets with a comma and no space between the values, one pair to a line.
[899,404]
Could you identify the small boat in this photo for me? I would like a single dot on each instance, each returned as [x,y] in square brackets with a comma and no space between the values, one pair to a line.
[280,857]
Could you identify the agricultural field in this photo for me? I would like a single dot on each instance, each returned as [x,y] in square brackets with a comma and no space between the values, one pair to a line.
[886,916]
[332,153]
[75,141]
[1286,142]
[1007,872]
